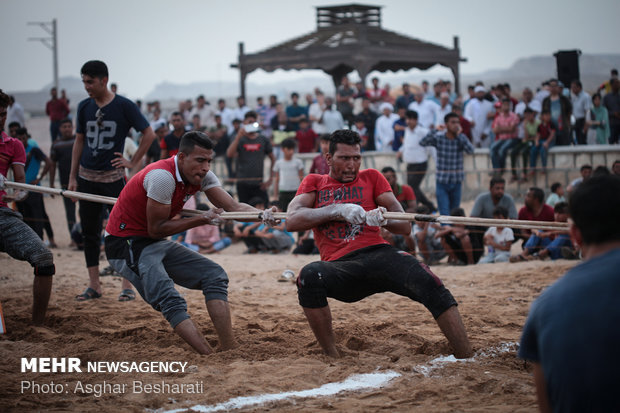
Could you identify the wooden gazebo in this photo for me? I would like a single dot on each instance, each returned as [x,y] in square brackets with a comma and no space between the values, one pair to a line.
[347,38]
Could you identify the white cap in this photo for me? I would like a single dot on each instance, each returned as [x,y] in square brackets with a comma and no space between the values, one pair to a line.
[384,106]
[479,89]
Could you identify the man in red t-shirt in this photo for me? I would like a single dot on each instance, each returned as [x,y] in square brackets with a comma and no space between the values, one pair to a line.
[345,211]
[534,209]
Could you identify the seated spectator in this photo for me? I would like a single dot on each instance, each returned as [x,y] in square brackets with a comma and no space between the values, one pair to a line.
[247,230]
[557,194]
[276,239]
[486,202]
[461,248]
[542,244]
[586,173]
[498,240]
[505,128]
[424,233]
[206,238]
[306,137]
[305,244]
[288,173]
[524,147]
[534,210]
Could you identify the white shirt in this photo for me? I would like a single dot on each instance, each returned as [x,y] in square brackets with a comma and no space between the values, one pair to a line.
[441,114]
[384,132]
[428,112]
[533,104]
[228,116]
[288,173]
[15,113]
[206,113]
[476,112]
[316,111]
[332,121]
[411,149]
[502,237]
[581,104]
[239,113]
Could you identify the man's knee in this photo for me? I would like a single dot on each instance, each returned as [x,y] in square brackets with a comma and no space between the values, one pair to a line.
[43,262]
[216,287]
[311,289]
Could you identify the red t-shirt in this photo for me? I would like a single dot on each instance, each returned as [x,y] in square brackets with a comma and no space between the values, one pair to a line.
[338,238]
[11,152]
[546,214]
[404,194]
[306,140]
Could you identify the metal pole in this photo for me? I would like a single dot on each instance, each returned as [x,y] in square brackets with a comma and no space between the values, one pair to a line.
[55,51]
[50,42]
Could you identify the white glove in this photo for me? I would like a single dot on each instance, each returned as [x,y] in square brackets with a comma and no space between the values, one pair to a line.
[19,195]
[268,217]
[351,213]
[375,217]
[2,179]
[213,216]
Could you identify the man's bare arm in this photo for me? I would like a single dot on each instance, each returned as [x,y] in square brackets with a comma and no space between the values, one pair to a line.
[159,225]
[76,155]
[389,202]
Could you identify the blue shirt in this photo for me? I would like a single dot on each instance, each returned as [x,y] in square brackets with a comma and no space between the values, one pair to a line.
[573,331]
[398,134]
[34,157]
[449,155]
[107,135]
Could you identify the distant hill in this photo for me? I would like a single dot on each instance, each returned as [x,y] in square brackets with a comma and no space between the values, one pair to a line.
[528,71]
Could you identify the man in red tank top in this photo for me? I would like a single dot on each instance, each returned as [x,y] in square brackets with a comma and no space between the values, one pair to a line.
[345,210]
[142,218]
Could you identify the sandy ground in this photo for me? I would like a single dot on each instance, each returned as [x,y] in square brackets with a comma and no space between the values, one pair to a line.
[277,351]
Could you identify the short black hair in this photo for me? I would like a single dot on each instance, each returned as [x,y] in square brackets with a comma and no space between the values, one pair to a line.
[601,170]
[190,139]
[422,209]
[95,68]
[584,167]
[457,212]
[538,194]
[497,180]
[65,120]
[594,207]
[411,114]
[288,143]
[250,114]
[577,82]
[561,208]
[21,131]
[500,211]
[14,124]
[450,116]
[325,137]
[388,169]
[5,101]
[343,136]
[555,186]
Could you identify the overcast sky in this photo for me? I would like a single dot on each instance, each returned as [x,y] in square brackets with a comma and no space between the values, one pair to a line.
[145,42]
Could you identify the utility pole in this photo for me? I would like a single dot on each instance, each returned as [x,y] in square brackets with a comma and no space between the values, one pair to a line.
[50,42]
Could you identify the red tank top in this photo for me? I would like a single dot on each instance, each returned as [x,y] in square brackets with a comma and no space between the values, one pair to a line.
[128,216]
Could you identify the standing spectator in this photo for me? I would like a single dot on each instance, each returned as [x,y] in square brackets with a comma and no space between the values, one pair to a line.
[465,124]
[219,135]
[486,202]
[287,174]
[315,111]
[270,113]
[429,245]
[15,113]
[154,152]
[557,194]
[544,140]
[415,156]
[597,122]
[581,308]
[250,149]
[241,109]
[384,128]
[399,127]
[33,208]
[370,119]
[60,155]
[450,148]
[480,113]
[611,101]
[404,100]
[376,94]
[204,110]
[227,114]
[527,101]
[586,172]
[319,163]
[560,108]
[306,137]
[444,108]
[332,120]
[295,112]
[505,129]
[344,100]
[57,109]
[97,167]
[170,144]
[427,109]
[581,105]
[606,86]
[458,241]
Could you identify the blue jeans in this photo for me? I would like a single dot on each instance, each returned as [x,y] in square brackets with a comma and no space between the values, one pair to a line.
[448,197]
[555,247]
[499,151]
[539,149]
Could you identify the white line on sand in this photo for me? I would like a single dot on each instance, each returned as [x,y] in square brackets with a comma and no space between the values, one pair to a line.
[353,383]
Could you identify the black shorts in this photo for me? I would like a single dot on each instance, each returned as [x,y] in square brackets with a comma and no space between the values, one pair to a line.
[370,270]
[475,237]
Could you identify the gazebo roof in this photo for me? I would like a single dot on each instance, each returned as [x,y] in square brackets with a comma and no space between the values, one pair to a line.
[350,37]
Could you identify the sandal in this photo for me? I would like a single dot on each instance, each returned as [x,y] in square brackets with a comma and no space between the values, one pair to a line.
[108,271]
[127,295]
[88,294]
